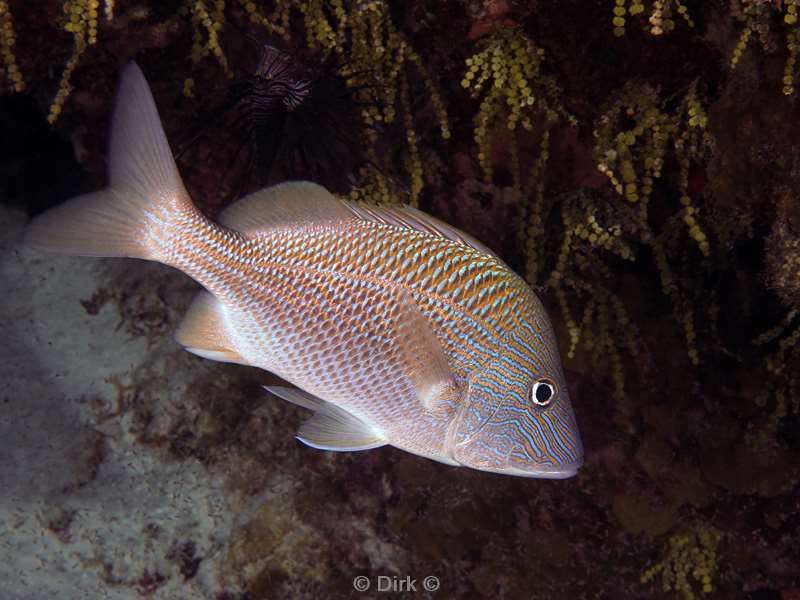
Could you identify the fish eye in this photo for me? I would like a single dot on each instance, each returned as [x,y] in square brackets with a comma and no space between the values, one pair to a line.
[542,391]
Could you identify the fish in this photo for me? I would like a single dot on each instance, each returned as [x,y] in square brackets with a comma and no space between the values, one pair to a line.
[394,327]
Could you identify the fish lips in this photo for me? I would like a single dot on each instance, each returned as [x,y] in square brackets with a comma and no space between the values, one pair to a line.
[463,454]
[543,472]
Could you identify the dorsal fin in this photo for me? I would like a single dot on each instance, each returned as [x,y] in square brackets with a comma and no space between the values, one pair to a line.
[282,205]
[299,202]
[204,331]
[330,427]
[411,218]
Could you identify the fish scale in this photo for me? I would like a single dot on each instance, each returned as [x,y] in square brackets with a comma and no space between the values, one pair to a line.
[395,327]
[213,256]
[210,256]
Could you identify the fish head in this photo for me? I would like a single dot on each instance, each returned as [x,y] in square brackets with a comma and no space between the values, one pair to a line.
[517,418]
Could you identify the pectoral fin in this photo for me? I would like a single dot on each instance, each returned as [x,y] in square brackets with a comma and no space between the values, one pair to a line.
[330,427]
[424,360]
[204,331]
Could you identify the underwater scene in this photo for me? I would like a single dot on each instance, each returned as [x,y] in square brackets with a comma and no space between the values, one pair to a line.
[400,299]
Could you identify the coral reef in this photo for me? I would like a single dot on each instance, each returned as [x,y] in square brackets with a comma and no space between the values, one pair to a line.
[637,161]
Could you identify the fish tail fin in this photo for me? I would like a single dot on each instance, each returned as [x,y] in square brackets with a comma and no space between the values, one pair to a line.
[132,216]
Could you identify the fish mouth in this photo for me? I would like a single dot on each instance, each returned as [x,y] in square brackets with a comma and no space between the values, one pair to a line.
[452,450]
[563,472]
[560,472]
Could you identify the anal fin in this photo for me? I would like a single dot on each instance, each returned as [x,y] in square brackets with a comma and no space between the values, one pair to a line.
[330,427]
[204,331]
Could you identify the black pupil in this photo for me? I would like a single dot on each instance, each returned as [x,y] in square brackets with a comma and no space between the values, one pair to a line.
[543,393]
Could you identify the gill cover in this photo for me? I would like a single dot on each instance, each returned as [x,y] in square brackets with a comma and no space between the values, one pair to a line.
[514,435]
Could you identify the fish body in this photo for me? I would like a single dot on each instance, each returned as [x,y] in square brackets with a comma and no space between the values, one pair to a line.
[396,328]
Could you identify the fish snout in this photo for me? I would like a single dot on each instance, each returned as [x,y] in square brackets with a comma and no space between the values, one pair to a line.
[517,462]
[499,445]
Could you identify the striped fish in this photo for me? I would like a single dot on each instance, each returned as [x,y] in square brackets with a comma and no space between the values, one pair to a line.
[395,327]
